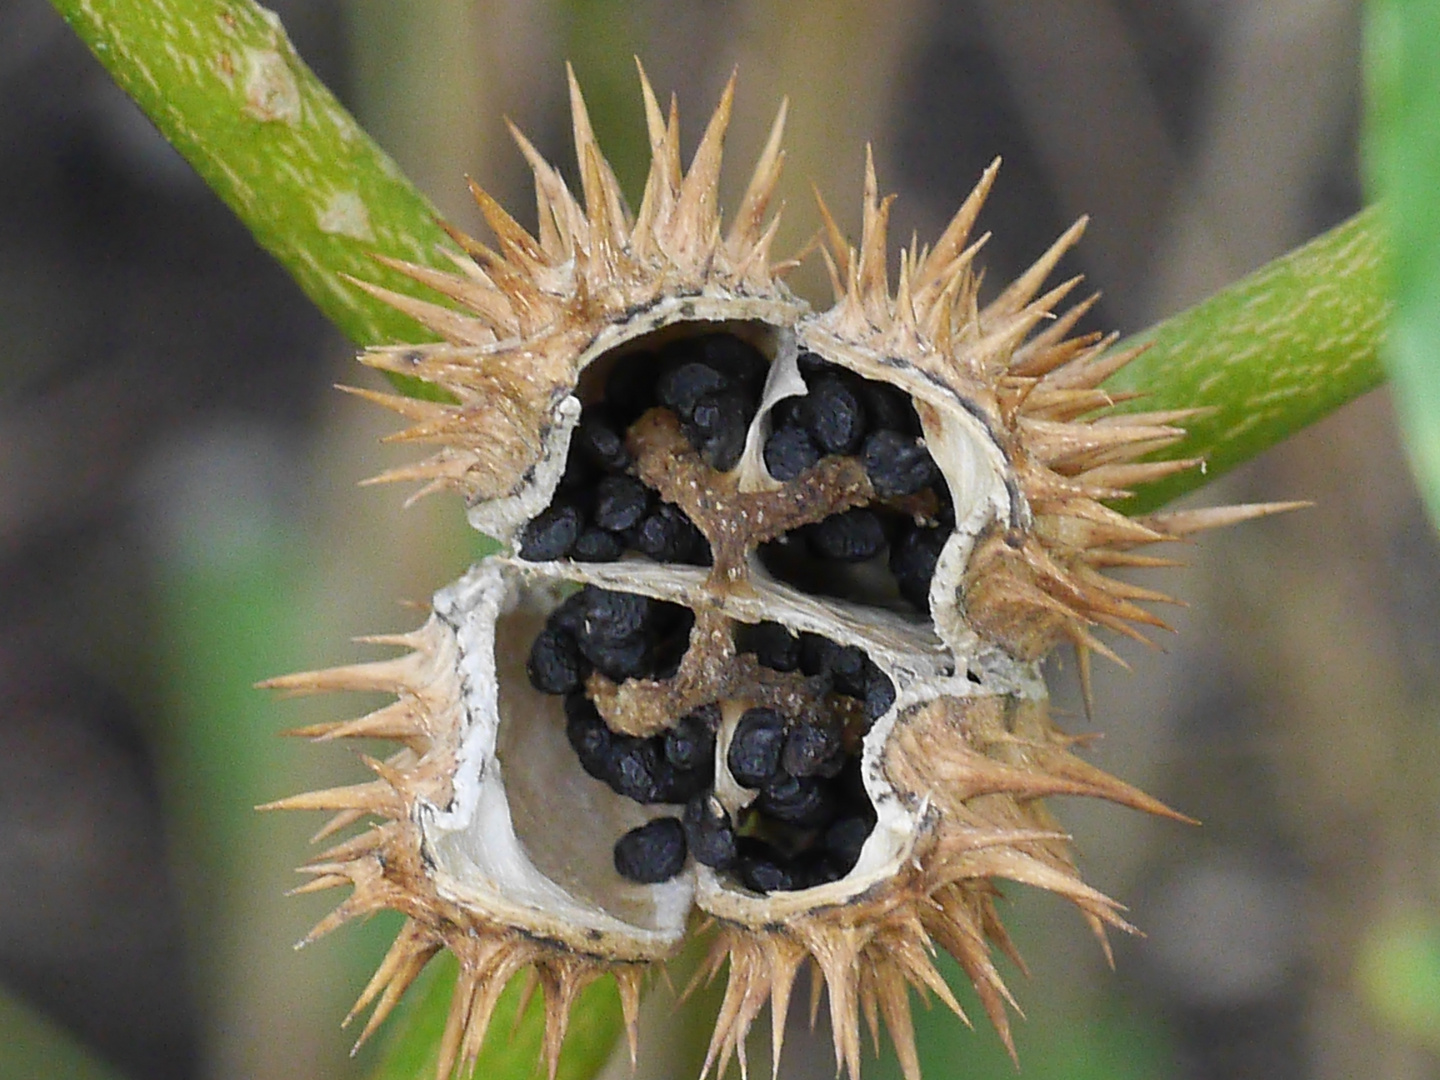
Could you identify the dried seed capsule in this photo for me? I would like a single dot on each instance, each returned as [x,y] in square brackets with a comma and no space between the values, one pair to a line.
[516,873]
[754,753]
[897,464]
[682,386]
[813,750]
[717,427]
[690,744]
[803,801]
[774,646]
[834,416]
[709,832]
[620,502]
[652,853]
[761,868]
[789,451]
[597,545]
[600,439]
[851,536]
[913,557]
[555,665]
[552,533]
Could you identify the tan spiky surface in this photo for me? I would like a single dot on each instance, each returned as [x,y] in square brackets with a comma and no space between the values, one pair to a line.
[535,310]
[1013,410]
[383,864]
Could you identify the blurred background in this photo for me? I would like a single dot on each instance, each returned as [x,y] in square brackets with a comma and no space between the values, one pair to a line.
[179,518]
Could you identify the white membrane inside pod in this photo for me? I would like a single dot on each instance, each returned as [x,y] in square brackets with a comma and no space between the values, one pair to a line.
[528,836]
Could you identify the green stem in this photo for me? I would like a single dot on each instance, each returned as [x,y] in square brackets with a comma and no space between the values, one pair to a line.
[222,82]
[1268,355]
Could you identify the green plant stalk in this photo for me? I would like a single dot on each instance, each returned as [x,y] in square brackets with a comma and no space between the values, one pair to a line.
[1266,356]
[222,82]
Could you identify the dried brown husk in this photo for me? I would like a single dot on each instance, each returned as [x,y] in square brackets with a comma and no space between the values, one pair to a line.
[491,838]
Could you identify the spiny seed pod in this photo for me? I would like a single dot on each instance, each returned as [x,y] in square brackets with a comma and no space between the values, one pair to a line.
[767,640]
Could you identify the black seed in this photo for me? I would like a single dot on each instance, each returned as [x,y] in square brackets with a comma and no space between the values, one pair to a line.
[590,738]
[638,770]
[912,560]
[555,665]
[843,665]
[620,502]
[773,645]
[631,388]
[690,744]
[600,439]
[806,802]
[849,786]
[667,535]
[816,868]
[602,616]
[761,868]
[812,363]
[709,832]
[846,837]
[879,692]
[897,464]
[717,426]
[552,533]
[816,653]
[813,750]
[889,407]
[789,451]
[597,545]
[851,536]
[754,753]
[621,660]
[579,476]
[683,385]
[609,629]
[737,359]
[679,785]
[835,417]
[653,853]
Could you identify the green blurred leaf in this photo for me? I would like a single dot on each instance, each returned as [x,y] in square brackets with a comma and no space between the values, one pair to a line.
[33,1045]
[1399,975]
[1402,168]
[511,1051]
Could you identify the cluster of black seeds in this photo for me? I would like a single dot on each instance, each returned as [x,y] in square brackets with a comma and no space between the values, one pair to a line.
[843,414]
[666,768]
[811,814]
[600,511]
[840,669]
[621,635]
[711,382]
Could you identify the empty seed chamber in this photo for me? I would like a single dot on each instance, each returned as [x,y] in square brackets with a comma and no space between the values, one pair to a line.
[761,657]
